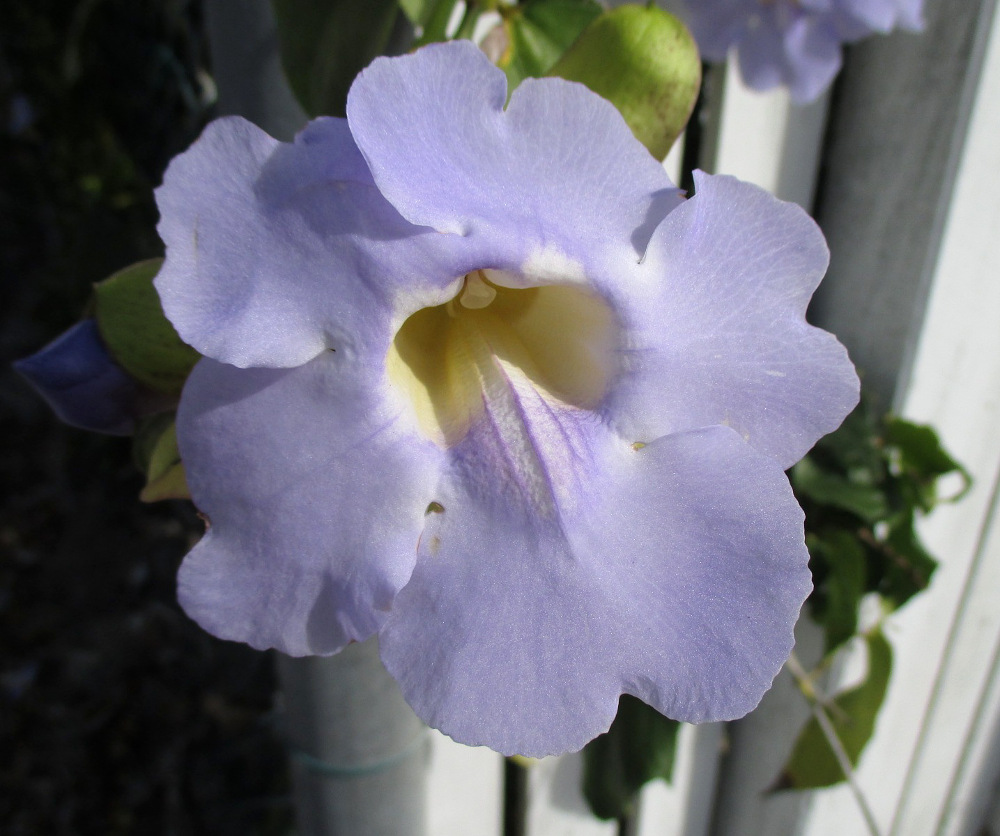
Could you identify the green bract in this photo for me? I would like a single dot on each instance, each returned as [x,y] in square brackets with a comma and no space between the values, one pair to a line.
[645,62]
[138,336]
[539,32]
[156,454]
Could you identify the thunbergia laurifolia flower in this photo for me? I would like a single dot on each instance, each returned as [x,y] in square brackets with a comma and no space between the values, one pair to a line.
[796,43]
[480,382]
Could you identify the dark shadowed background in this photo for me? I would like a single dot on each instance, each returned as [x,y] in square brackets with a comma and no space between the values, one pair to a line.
[117,714]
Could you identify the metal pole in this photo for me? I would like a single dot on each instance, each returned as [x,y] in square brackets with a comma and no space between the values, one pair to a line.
[359,754]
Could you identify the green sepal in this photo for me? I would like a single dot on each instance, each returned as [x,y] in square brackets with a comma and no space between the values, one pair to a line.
[645,62]
[139,337]
[639,747]
[813,763]
[154,449]
[324,45]
[539,32]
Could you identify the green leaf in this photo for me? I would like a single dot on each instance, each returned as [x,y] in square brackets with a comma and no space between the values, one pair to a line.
[855,447]
[920,448]
[841,583]
[638,747]
[326,43]
[155,451]
[539,32]
[431,17]
[813,763]
[827,488]
[643,61]
[907,566]
[919,458]
[421,11]
[138,335]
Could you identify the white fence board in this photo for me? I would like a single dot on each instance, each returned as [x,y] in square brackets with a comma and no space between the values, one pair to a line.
[974,782]
[896,132]
[767,140]
[556,806]
[465,789]
[684,806]
[759,745]
[946,639]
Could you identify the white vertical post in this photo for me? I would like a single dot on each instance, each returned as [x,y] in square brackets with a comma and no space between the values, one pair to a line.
[934,754]
[556,806]
[684,806]
[465,789]
[766,139]
[359,754]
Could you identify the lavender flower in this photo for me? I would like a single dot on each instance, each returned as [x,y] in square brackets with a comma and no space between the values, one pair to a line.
[480,382]
[796,43]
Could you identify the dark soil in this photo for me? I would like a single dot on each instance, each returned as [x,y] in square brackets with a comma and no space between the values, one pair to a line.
[118,715]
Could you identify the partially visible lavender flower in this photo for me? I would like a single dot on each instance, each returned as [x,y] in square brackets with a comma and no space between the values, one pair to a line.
[796,43]
[84,386]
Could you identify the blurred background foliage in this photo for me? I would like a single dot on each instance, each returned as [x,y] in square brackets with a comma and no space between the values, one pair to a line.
[117,714]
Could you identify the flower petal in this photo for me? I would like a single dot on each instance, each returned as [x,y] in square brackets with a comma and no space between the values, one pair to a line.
[315,492]
[718,334]
[559,167]
[501,638]
[813,57]
[277,251]
[675,573]
[762,59]
[710,573]
[792,42]
[883,15]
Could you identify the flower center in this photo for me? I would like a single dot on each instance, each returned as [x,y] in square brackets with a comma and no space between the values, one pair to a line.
[452,359]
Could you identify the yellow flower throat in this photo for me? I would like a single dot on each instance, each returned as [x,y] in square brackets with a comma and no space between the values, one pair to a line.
[450,359]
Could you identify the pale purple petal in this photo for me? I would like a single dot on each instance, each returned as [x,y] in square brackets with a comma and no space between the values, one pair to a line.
[559,168]
[718,333]
[84,386]
[315,491]
[884,15]
[278,251]
[501,638]
[762,60]
[813,58]
[674,572]
[715,571]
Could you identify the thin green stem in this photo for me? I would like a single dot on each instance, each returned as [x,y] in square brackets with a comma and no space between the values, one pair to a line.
[813,696]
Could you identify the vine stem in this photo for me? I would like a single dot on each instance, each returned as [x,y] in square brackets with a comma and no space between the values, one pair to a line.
[817,702]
